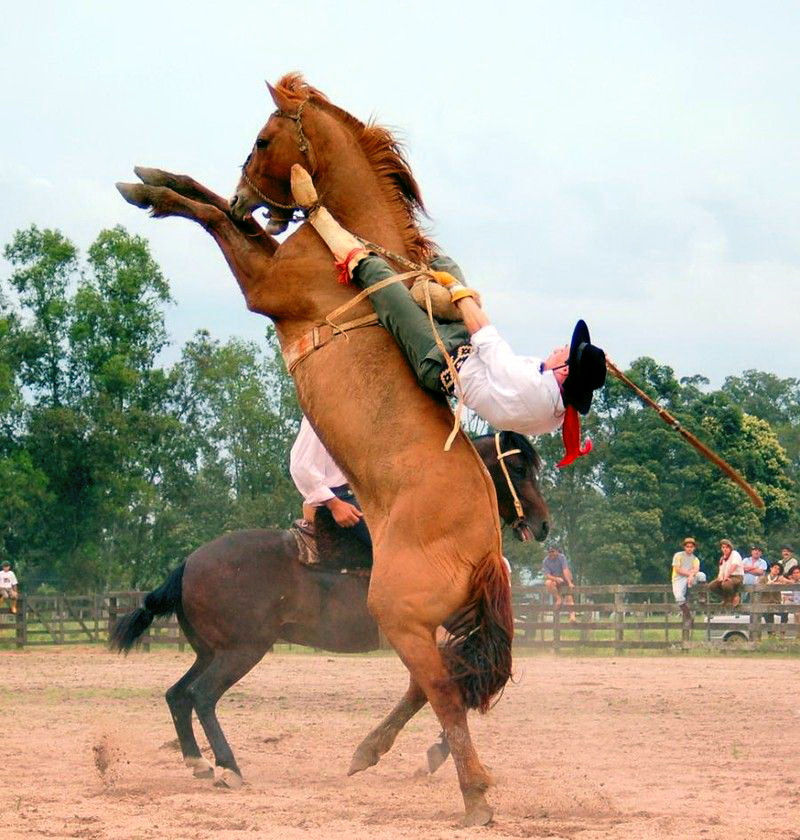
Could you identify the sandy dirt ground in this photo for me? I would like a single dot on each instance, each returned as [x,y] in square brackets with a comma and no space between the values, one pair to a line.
[581,748]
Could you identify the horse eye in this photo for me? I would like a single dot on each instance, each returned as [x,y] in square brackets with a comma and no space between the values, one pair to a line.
[262,143]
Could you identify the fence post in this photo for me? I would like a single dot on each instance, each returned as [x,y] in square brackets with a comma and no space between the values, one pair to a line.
[556,628]
[112,614]
[619,621]
[755,617]
[60,609]
[22,628]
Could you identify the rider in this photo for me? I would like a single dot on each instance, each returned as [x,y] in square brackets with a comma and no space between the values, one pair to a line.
[520,393]
[320,482]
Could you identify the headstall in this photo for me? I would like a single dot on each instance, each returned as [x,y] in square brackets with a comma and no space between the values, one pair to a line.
[500,456]
[302,144]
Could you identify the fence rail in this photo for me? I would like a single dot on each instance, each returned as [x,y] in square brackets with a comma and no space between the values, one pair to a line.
[616,618]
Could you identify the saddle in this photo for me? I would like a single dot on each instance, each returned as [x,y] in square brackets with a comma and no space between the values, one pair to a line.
[323,546]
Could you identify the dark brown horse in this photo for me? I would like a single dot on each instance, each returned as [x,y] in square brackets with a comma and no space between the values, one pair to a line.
[247,590]
[432,514]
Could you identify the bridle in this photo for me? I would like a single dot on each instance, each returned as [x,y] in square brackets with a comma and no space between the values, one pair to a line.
[500,456]
[305,148]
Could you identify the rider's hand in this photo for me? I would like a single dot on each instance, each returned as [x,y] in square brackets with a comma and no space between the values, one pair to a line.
[345,514]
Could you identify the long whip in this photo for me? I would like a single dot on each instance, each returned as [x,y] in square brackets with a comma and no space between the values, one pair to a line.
[715,459]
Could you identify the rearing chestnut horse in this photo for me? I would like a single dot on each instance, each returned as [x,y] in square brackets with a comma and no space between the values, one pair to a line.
[432,514]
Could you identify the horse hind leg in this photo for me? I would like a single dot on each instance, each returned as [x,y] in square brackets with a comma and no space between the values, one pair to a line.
[380,739]
[416,646]
[226,669]
[180,707]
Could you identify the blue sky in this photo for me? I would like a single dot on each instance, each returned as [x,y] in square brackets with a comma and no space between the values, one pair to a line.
[634,164]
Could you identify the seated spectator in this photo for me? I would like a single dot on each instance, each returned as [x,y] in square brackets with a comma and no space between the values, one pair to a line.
[755,566]
[558,577]
[771,594]
[685,573]
[8,586]
[788,560]
[731,574]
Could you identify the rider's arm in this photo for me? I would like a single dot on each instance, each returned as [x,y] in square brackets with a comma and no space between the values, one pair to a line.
[308,465]
[474,317]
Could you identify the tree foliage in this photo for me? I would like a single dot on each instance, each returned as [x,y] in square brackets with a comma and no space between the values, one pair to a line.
[114,466]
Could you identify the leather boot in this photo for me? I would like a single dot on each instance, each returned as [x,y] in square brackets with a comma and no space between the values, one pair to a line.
[341,243]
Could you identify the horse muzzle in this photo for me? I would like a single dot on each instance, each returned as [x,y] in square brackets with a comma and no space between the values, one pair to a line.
[525,533]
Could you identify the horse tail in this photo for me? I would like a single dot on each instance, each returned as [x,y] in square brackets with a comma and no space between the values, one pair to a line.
[164,600]
[478,653]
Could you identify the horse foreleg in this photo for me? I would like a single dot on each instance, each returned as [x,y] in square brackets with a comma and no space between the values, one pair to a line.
[380,739]
[181,184]
[248,255]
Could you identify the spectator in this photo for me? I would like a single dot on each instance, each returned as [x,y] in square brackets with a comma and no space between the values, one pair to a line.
[685,573]
[8,585]
[788,560]
[772,595]
[755,566]
[793,596]
[731,574]
[558,577]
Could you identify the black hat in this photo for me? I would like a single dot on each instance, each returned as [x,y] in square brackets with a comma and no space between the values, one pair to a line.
[587,370]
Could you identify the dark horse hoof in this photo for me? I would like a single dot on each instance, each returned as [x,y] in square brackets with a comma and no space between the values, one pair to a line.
[229,779]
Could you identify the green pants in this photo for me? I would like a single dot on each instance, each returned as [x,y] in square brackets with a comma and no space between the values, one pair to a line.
[408,323]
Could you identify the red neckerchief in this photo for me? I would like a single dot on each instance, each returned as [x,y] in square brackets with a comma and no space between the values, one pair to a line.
[571,435]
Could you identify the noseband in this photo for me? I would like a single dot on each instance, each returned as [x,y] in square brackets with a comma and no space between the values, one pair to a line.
[500,456]
[302,144]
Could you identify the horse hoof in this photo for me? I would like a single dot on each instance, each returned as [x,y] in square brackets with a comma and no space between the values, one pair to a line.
[479,815]
[361,760]
[437,755]
[477,810]
[201,768]
[136,194]
[153,177]
[229,779]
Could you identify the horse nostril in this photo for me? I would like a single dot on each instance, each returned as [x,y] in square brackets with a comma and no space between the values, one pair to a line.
[233,201]
[544,530]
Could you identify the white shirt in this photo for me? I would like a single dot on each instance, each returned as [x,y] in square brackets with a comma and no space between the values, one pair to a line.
[7,579]
[509,391]
[732,566]
[313,470]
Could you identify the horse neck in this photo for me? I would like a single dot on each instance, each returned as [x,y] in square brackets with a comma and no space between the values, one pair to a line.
[358,200]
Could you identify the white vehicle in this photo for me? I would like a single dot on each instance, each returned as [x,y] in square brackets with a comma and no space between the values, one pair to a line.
[731,634]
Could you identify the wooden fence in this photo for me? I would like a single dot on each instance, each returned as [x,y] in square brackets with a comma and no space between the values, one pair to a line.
[645,617]
[79,620]
[615,618]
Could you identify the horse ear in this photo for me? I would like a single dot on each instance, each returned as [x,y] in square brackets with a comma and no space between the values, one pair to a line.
[281,102]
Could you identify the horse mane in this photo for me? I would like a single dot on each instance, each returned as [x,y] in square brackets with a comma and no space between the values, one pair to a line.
[385,155]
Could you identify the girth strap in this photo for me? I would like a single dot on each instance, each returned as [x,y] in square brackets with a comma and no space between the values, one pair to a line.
[321,335]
